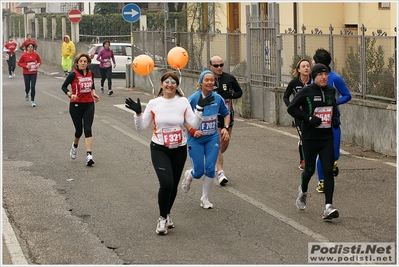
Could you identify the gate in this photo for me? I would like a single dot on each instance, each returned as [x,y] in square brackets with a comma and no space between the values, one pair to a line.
[264,48]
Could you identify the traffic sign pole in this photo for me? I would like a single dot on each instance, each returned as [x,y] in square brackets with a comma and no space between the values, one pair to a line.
[75,16]
[132,42]
[131,13]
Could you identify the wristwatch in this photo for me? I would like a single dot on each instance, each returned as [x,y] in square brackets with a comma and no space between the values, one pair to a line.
[226,127]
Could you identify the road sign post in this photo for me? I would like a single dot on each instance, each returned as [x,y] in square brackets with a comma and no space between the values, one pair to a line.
[75,16]
[131,13]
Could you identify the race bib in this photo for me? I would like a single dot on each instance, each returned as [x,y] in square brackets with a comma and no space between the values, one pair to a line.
[31,66]
[325,114]
[107,64]
[172,136]
[85,84]
[209,125]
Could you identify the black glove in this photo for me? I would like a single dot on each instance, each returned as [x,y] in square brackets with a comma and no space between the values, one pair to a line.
[315,121]
[335,121]
[202,102]
[227,95]
[135,106]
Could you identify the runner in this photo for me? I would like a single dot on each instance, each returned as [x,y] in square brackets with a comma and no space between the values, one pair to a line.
[10,48]
[203,142]
[81,106]
[30,63]
[342,96]
[302,78]
[168,112]
[227,86]
[315,106]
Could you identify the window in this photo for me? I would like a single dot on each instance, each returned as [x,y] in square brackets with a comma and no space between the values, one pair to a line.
[211,17]
[384,5]
[117,49]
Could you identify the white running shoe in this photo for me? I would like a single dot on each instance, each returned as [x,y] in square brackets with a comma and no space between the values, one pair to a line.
[33,104]
[330,213]
[73,152]
[162,226]
[185,184]
[26,97]
[169,221]
[13,74]
[301,199]
[89,160]
[205,203]
[222,178]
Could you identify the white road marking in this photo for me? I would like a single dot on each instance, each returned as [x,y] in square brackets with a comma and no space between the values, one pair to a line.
[237,193]
[17,256]
[278,215]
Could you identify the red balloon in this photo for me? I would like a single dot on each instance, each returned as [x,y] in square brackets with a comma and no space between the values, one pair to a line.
[177,57]
[143,65]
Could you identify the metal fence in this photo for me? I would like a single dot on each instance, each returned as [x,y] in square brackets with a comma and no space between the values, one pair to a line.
[265,58]
[367,63]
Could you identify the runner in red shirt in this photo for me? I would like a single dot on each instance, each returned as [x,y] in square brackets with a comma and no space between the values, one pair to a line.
[29,39]
[30,62]
[10,48]
[81,107]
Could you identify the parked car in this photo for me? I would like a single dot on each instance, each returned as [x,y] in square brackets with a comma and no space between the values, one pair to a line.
[122,54]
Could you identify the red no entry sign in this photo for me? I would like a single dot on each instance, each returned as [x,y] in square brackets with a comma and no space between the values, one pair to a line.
[74,15]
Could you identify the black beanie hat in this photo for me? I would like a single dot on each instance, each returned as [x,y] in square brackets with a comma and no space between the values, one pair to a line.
[317,68]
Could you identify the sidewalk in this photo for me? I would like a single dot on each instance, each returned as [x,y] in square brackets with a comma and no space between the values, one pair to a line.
[48,68]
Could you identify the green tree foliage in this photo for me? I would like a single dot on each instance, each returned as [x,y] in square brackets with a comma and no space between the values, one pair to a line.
[17,25]
[104,8]
[156,21]
[380,80]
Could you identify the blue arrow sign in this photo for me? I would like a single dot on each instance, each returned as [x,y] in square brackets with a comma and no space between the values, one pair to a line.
[131,13]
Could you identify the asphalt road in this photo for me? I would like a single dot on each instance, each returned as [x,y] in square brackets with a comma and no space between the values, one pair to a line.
[63,212]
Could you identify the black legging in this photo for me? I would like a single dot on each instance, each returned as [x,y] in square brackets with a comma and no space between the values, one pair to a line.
[298,126]
[325,150]
[106,74]
[82,115]
[30,85]
[168,165]
[11,64]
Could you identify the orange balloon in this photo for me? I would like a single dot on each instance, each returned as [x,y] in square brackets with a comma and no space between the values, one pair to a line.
[177,57]
[143,65]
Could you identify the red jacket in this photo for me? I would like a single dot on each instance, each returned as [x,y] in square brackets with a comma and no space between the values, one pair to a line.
[11,47]
[23,48]
[28,62]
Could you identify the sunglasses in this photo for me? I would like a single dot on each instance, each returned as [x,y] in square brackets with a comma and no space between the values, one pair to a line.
[218,65]
[169,81]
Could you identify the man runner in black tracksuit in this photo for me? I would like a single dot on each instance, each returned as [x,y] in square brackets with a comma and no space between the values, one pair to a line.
[227,86]
[319,115]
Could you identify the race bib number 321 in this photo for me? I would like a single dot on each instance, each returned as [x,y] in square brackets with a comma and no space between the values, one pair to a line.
[172,136]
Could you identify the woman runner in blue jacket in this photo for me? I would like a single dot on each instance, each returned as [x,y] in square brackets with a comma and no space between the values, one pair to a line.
[204,142]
